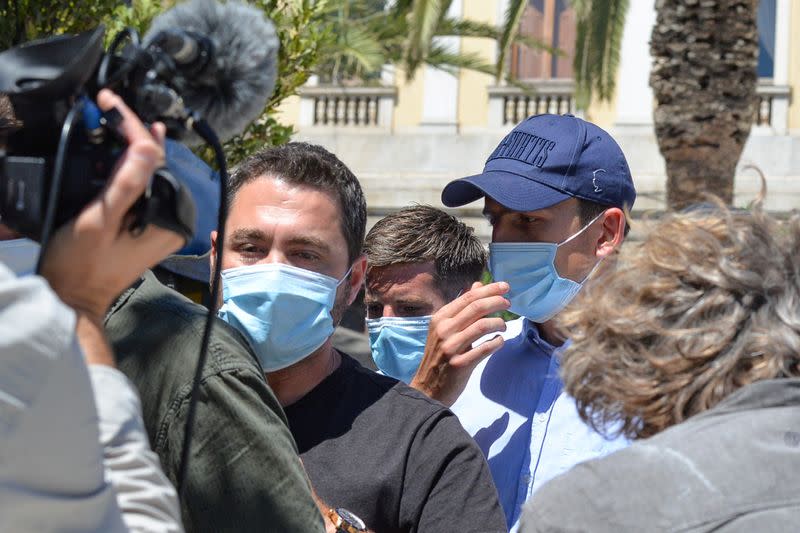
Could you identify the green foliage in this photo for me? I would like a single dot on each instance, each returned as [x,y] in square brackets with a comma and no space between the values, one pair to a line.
[486,278]
[369,35]
[423,19]
[600,24]
[511,23]
[357,49]
[138,16]
[303,31]
[24,20]
[339,39]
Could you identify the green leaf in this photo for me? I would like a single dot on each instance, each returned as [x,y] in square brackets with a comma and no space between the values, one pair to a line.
[510,30]
[423,18]
[600,27]
[472,28]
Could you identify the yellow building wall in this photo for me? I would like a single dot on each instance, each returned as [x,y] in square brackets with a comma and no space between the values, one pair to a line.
[289,111]
[473,97]
[604,114]
[410,97]
[794,66]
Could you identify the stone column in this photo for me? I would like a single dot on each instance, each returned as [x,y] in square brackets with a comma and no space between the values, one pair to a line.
[780,72]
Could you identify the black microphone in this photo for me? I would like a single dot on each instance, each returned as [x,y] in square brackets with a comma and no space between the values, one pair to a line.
[191,52]
[227,54]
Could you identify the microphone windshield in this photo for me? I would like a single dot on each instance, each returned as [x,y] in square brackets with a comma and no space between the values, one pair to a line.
[243,68]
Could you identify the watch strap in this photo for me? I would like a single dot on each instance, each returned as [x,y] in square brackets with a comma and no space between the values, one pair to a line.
[343,525]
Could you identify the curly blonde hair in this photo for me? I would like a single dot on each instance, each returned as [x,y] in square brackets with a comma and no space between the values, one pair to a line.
[708,303]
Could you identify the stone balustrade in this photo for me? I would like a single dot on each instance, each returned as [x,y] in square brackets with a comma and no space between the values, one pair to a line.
[347,107]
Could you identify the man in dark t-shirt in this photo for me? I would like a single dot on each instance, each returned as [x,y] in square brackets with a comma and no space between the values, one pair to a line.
[379,454]
[398,459]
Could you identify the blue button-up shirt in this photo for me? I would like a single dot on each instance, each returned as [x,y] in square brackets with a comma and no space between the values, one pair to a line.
[528,428]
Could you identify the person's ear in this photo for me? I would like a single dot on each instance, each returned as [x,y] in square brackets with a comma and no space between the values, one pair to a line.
[612,232]
[357,277]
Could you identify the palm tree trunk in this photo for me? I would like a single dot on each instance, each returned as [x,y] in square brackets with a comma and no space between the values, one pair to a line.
[705,54]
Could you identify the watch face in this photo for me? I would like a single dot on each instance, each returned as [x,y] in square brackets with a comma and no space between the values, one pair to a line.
[351,519]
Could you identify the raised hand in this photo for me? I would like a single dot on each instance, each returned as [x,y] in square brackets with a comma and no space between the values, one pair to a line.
[449,353]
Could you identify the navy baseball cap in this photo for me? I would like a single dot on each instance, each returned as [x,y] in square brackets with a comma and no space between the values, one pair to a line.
[545,160]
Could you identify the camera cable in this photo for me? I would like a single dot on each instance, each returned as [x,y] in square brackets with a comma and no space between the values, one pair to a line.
[58,174]
[207,134]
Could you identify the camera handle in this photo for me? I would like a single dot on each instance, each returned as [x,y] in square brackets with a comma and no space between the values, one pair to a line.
[165,203]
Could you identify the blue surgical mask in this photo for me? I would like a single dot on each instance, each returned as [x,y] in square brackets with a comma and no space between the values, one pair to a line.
[20,255]
[537,291]
[282,310]
[398,344]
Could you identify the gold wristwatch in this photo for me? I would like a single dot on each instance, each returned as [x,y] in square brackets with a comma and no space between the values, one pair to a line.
[345,521]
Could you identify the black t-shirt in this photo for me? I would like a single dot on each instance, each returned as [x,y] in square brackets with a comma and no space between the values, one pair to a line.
[391,455]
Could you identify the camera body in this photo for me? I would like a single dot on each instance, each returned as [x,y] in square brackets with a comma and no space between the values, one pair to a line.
[65,151]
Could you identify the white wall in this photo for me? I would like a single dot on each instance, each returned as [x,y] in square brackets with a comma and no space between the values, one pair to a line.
[440,103]
[634,96]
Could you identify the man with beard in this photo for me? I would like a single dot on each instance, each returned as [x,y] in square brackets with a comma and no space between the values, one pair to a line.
[378,453]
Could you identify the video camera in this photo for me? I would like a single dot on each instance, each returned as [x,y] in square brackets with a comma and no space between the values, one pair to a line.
[63,155]
[66,148]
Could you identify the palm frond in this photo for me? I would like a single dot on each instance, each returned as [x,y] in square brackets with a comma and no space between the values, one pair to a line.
[356,45]
[600,26]
[473,28]
[510,30]
[443,58]
[423,17]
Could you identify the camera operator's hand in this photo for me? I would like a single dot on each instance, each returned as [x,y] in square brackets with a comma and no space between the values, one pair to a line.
[94,257]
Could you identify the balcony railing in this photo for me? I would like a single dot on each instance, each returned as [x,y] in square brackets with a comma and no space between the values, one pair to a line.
[347,107]
[372,108]
[510,105]
[773,105]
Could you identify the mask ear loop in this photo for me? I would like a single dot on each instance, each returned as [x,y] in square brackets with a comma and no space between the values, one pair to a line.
[596,265]
[346,275]
[592,271]
[582,229]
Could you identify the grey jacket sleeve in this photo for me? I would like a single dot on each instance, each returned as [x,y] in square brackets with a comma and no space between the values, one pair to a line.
[145,496]
[51,461]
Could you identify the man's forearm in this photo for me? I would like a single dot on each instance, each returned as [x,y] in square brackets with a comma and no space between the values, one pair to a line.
[92,340]
[324,510]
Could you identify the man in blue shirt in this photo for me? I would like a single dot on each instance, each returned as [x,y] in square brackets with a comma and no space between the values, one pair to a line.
[555,192]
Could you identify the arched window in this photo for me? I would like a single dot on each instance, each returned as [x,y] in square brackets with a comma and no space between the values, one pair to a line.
[552,22]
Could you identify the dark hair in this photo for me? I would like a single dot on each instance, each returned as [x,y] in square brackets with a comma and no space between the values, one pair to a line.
[588,210]
[312,166]
[422,233]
